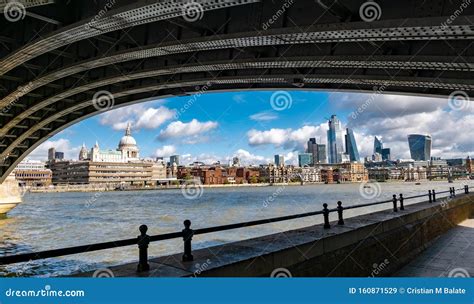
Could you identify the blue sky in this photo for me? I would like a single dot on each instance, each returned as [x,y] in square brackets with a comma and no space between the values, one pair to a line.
[255,125]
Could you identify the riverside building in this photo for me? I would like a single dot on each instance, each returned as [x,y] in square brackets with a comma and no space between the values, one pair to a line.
[111,167]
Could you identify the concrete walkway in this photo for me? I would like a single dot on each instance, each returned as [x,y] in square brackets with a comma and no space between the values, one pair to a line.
[451,255]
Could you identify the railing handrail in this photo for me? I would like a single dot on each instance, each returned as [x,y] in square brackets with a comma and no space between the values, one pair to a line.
[26,257]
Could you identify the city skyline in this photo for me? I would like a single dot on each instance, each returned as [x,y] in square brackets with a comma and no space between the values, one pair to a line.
[247,126]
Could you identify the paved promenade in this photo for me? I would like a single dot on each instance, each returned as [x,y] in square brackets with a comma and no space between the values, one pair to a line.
[452,254]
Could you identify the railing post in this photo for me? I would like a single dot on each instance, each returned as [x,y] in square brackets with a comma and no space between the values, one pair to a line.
[188,234]
[395,208]
[431,196]
[340,210]
[143,242]
[326,216]
[434,195]
[402,207]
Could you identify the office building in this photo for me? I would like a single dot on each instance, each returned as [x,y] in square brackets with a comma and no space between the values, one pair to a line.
[279,160]
[386,154]
[378,146]
[351,146]
[318,152]
[53,154]
[31,173]
[420,147]
[174,159]
[305,159]
[335,141]
[102,166]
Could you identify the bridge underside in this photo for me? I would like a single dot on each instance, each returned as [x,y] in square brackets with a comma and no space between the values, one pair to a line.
[62,53]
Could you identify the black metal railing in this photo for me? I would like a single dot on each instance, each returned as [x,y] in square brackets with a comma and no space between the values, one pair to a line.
[143,240]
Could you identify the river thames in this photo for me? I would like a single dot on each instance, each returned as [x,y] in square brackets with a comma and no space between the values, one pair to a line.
[56,220]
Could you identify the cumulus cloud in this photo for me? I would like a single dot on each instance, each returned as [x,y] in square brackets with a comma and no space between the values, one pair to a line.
[364,107]
[165,151]
[61,145]
[248,158]
[264,116]
[295,139]
[140,116]
[190,130]
[447,128]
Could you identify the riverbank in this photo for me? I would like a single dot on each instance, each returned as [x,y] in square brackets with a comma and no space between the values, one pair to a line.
[97,188]
[46,221]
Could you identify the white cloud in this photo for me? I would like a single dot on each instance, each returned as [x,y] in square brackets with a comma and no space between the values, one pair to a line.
[140,116]
[153,118]
[192,129]
[287,138]
[248,158]
[264,116]
[61,145]
[447,128]
[165,151]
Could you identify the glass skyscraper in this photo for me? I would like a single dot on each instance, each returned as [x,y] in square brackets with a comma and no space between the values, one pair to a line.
[305,159]
[378,146]
[386,154]
[279,160]
[335,141]
[318,151]
[351,146]
[420,147]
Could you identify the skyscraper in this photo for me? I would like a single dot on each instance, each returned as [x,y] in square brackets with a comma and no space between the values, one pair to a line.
[174,159]
[386,154]
[351,146]
[313,150]
[335,140]
[321,154]
[318,151]
[420,147]
[378,146]
[279,160]
[305,159]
